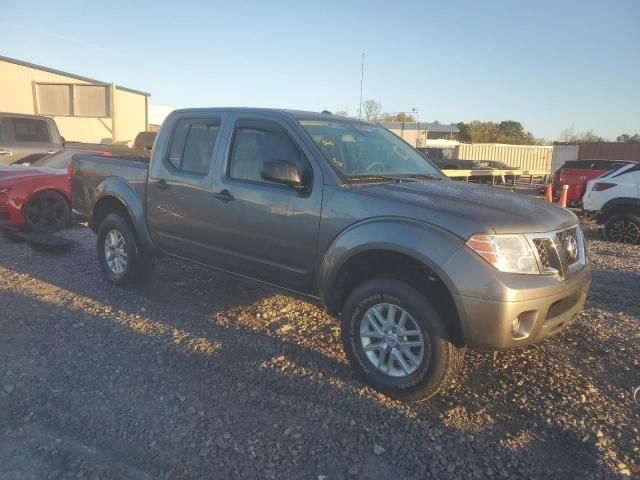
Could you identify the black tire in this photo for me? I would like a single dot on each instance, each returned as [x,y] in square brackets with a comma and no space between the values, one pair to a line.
[440,360]
[46,211]
[138,263]
[623,228]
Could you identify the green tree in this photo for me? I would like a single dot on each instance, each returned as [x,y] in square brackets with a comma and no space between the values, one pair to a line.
[510,131]
[464,135]
[403,117]
[483,132]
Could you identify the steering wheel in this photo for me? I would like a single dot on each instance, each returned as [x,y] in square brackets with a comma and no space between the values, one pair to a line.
[378,165]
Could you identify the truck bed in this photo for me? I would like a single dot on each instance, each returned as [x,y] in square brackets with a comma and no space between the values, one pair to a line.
[90,171]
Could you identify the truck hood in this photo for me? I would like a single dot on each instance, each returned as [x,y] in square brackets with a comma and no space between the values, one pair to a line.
[11,173]
[476,208]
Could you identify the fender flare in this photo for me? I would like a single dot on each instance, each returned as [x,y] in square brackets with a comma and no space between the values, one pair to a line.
[121,190]
[424,242]
[618,202]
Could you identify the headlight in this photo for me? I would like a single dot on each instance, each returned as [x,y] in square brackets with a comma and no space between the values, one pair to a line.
[3,190]
[508,253]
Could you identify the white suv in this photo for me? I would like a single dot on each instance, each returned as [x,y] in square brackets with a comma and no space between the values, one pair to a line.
[614,200]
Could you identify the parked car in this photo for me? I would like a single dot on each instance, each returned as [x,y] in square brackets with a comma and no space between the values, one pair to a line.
[576,174]
[453,163]
[614,200]
[27,137]
[495,165]
[415,266]
[37,197]
[437,154]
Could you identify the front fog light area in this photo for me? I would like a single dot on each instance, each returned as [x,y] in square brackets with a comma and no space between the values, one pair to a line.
[515,326]
[522,325]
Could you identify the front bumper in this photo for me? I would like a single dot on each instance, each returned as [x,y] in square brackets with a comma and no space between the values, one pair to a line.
[487,324]
[9,216]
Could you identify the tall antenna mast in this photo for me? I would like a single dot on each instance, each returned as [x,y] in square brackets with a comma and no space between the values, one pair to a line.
[361,83]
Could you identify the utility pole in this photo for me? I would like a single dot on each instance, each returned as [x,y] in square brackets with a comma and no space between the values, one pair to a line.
[361,84]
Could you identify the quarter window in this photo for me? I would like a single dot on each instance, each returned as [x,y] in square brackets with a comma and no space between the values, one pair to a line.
[192,145]
[256,142]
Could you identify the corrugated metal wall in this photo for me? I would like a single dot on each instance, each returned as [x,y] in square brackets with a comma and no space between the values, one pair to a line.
[609,151]
[520,156]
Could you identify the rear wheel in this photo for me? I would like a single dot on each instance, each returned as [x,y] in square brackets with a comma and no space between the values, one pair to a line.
[623,228]
[121,257]
[47,211]
[395,339]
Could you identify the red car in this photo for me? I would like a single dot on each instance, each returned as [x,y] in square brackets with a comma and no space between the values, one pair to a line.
[576,174]
[38,196]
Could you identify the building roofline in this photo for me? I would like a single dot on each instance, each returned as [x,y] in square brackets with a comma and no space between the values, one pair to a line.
[67,74]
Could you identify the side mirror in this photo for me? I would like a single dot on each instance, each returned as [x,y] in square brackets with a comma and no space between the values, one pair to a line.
[283,172]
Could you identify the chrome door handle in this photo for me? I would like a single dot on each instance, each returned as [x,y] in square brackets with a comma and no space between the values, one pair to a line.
[5,152]
[51,151]
[224,196]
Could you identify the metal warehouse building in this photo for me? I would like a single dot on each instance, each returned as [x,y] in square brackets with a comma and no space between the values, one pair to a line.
[85,110]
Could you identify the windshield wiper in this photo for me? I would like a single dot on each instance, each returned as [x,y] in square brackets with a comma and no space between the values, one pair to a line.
[422,175]
[373,178]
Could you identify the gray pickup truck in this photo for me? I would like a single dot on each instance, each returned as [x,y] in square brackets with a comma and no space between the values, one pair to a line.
[415,266]
[27,138]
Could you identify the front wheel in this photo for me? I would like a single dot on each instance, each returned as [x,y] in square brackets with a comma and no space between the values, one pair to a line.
[623,228]
[395,339]
[120,255]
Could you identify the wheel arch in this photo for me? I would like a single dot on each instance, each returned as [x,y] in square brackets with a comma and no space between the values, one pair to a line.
[115,195]
[45,189]
[404,249]
[620,205]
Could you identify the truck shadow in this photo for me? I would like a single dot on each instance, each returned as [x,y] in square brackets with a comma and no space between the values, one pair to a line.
[73,394]
[216,338]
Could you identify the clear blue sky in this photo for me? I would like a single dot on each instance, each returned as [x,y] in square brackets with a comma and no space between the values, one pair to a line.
[548,64]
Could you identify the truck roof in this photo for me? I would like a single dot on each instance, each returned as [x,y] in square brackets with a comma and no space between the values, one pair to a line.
[25,115]
[297,114]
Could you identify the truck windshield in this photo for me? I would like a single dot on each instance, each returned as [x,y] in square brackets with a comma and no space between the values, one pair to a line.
[362,150]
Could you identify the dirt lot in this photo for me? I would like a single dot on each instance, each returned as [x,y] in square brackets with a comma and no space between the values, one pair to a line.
[200,375]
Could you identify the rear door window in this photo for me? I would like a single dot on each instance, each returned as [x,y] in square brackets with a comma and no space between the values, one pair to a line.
[31,130]
[192,145]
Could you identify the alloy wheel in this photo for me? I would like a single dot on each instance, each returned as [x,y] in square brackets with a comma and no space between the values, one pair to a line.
[624,231]
[392,340]
[115,252]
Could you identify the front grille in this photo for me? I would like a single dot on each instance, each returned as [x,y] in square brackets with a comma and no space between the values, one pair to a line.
[541,247]
[568,244]
[557,251]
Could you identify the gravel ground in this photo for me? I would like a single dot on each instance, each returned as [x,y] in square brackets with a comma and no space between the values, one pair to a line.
[199,375]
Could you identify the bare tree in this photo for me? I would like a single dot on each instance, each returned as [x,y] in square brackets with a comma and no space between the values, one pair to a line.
[371,109]
[569,136]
